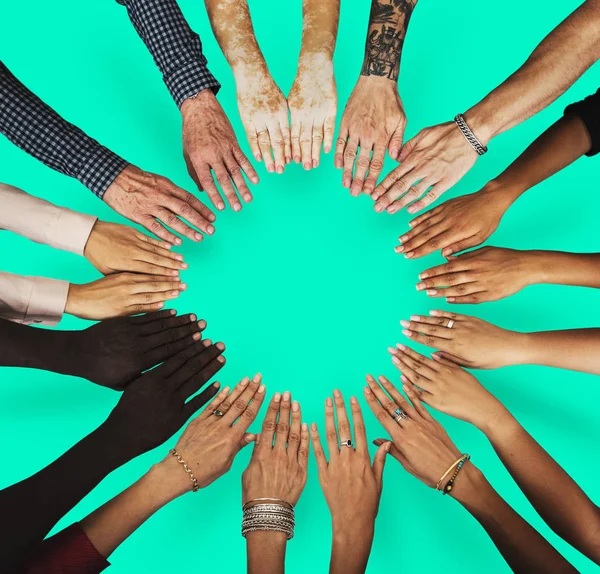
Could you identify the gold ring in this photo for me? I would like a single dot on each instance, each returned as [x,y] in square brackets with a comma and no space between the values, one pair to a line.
[261,133]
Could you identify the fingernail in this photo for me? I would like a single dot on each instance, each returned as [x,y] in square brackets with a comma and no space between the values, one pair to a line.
[394,152]
[392,208]
[257,378]
[304,427]
[367,390]
[237,206]
[399,249]
[407,333]
[450,299]
[401,347]
[392,350]
[210,229]
[387,446]
[405,323]
[297,159]
[421,286]
[221,359]
[288,159]
[257,156]
[270,168]
[177,241]
[212,217]
[207,342]
[220,346]
[411,209]
[353,400]
[244,381]
[329,402]
[423,275]
[247,197]
[403,237]
[276,397]
[220,205]
[415,317]
[434,313]
[396,360]
[306,165]
[378,208]
[202,324]
[182,286]
[286,396]
[184,265]
[447,252]
[406,389]
[337,394]
[279,169]
[198,237]
[261,389]
[196,336]
[179,257]
[403,379]
[224,391]
[174,294]
[408,255]
[295,406]
[160,305]
[175,273]
[172,312]
[315,163]
[345,183]
[432,292]
[313,426]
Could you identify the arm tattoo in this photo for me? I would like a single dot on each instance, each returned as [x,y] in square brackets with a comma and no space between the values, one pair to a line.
[387,29]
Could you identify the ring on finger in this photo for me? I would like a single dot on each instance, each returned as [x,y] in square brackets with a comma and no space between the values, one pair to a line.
[347,442]
[261,132]
[399,415]
[218,413]
[450,324]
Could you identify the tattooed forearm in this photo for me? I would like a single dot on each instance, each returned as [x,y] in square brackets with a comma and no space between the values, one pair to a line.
[387,29]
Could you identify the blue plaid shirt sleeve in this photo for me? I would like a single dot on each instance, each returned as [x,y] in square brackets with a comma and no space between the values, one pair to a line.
[38,130]
[176,49]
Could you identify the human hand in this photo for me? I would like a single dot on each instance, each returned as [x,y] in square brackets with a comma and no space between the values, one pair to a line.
[437,157]
[121,294]
[210,443]
[313,108]
[209,143]
[153,407]
[156,203]
[486,274]
[373,120]
[420,443]
[278,469]
[351,485]
[447,387]
[264,112]
[112,247]
[469,342]
[456,225]
[115,351]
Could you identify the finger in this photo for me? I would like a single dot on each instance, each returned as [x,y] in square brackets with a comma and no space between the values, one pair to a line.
[282,430]
[379,462]
[249,415]
[388,404]
[318,449]
[342,417]
[223,178]
[330,432]
[396,141]
[207,182]
[171,220]
[374,169]
[240,404]
[380,413]
[200,400]
[247,438]
[295,138]
[138,299]
[138,308]
[434,244]
[427,328]
[158,246]
[360,433]
[393,451]
[253,142]
[215,403]
[473,299]
[421,233]
[162,323]
[447,280]
[458,291]
[397,397]
[235,171]
[417,404]
[168,368]
[156,321]
[430,197]
[449,359]
[167,350]
[397,190]
[428,340]
[264,143]
[455,265]
[306,144]
[287,142]
[340,146]
[174,330]
[426,362]
[350,152]
[410,375]
[245,164]
[448,314]
[154,226]
[328,132]
[209,352]
[425,216]
[206,370]
[304,447]
[150,263]
[390,179]
[362,165]
[295,431]
[235,394]
[278,145]
[193,210]
[317,142]
[416,190]
[269,423]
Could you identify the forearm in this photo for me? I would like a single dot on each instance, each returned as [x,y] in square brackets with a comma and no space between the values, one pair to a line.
[560,59]
[30,508]
[320,27]
[560,268]
[388,24]
[236,36]
[266,552]
[552,492]
[559,146]
[351,547]
[523,548]
[115,521]
[575,349]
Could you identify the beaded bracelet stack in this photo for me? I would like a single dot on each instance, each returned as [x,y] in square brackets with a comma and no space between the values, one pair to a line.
[456,466]
[268,514]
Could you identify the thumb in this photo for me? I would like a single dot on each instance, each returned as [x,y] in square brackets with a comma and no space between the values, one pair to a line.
[395,144]
[379,461]
[392,449]
[408,147]
[246,440]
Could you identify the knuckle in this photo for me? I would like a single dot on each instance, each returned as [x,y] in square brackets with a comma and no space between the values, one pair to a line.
[363,162]
[282,428]
[248,414]
[331,435]
[303,452]
[293,437]
[269,426]
[429,341]
[461,289]
[239,405]
[382,417]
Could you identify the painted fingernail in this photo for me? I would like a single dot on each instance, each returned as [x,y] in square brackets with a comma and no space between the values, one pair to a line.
[276,397]
[353,400]
[286,396]
[392,350]
[220,205]
[405,323]
[399,249]
[295,406]
[329,402]
[261,390]
[415,317]
[221,359]
[210,229]
[337,394]
[257,378]
[432,292]
[407,333]
[220,346]
[450,299]
[396,360]
[198,237]
[237,206]
[202,324]
[400,346]
[408,255]
[421,286]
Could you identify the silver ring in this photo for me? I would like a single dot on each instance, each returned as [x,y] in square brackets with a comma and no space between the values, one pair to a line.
[218,413]
[347,443]
[450,324]
[400,415]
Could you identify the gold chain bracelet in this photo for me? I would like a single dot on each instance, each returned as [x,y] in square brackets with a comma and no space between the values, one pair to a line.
[187,469]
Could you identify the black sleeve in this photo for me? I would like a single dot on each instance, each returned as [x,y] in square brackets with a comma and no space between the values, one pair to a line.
[589,111]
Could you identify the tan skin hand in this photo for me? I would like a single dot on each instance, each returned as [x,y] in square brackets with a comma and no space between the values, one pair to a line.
[279,463]
[210,147]
[420,443]
[456,225]
[446,387]
[486,274]
[373,121]
[471,342]
[157,203]
[313,107]
[121,294]
[437,158]
[111,248]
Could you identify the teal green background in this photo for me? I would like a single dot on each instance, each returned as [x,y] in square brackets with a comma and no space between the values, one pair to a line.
[303,285]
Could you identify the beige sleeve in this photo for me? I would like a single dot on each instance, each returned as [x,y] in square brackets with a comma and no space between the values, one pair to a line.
[42,221]
[32,299]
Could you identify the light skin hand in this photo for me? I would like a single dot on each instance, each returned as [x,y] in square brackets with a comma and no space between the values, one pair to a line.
[157,203]
[112,247]
[486,274]
[436,158]
[373,121]
[210,147]
[456,225]
[121,294]
[471,342]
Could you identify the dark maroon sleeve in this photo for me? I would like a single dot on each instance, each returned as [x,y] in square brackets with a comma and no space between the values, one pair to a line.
[68,552]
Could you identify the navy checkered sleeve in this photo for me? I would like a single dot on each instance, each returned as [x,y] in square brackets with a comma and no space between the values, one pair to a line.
[37,129]
[176,49]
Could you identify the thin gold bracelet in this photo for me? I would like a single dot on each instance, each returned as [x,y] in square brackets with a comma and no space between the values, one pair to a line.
[187,469]
[454,465]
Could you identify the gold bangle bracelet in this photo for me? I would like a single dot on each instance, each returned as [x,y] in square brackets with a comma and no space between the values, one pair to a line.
[454,465]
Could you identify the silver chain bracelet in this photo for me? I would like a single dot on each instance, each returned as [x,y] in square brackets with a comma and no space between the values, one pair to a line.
[469,135]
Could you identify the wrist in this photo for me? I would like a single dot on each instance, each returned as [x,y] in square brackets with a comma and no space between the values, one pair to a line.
[202,99]
[542,266]
[497,416]
[470,487]
[73,304]
[377,83]
[352,531]
[502,194]
[167,480]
